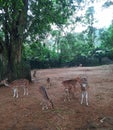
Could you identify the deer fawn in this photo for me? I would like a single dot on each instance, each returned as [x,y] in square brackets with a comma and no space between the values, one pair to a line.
[47,102]
[19,83]
[70,87]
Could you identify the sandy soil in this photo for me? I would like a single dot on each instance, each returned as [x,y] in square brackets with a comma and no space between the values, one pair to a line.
[25,112]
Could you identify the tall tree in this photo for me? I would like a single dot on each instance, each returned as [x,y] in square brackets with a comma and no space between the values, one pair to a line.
[106,38]
[31,19]
[14,18]
[90,31]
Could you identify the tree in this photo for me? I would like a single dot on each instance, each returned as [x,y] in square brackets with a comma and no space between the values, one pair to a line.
[90,31]
[43,13]
[14,18]
[106,37]
[23,19]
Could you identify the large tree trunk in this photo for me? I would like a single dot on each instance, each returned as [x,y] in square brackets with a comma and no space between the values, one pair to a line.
[14,27]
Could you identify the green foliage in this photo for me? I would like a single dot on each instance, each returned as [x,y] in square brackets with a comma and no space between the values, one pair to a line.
[107,4]
[106,37]
[17,25]
[35,51]
[44,13]
[30,23]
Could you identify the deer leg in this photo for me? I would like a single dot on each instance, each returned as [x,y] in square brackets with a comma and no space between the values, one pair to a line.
[25,91]
[82,97]
[15,92]
[67,95]
[74,91]
[86,96]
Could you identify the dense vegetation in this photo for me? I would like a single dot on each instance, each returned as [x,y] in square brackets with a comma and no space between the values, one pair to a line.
[42,34]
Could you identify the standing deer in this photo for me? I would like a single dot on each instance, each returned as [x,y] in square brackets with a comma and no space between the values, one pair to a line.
[70,87]
[34,74]
[84,93]
[19,83]
[47,102]
[48,82]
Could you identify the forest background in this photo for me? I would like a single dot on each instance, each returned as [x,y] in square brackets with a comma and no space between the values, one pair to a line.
[43,34]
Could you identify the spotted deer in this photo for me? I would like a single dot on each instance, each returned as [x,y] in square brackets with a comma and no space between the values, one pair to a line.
[70,88]
[84,90]
[46,102]
[19,83]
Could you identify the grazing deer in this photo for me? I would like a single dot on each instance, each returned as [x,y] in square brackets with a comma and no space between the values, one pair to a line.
[84,93]
[19,83]
[47,102]
[70,87]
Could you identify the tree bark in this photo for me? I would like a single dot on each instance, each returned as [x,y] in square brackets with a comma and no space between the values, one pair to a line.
[14,27]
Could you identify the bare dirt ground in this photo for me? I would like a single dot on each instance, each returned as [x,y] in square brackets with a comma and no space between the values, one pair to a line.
[25,112]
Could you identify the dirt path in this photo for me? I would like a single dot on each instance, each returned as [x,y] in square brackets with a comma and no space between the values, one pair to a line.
[25,112]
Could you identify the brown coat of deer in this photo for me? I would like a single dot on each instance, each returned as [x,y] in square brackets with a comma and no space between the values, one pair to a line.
[19,83]
[70,87]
